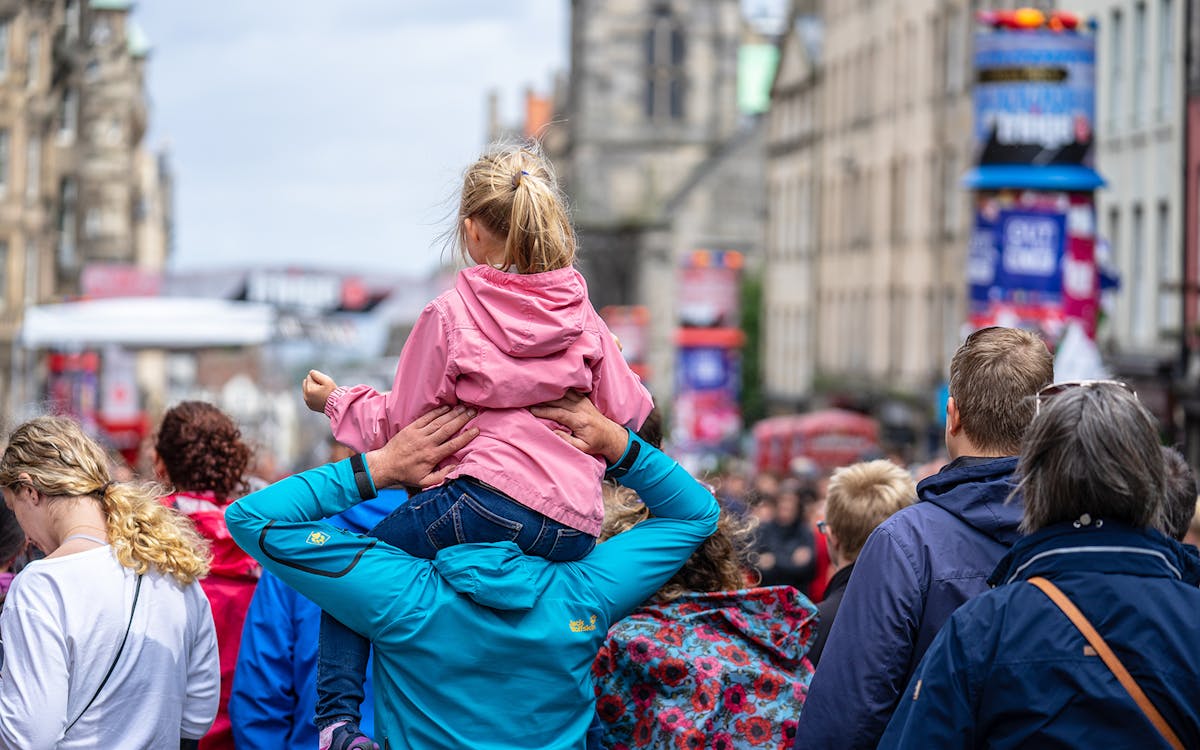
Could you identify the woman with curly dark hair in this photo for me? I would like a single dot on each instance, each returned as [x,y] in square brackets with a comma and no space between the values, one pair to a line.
[199,451]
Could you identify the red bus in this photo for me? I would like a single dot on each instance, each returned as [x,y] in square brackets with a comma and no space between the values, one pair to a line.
[829,438]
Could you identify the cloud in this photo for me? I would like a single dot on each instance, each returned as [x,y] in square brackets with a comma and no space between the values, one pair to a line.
[332,134]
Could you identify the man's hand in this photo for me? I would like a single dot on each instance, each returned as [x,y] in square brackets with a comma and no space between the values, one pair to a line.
[316,388]
[412,456]
[584,426]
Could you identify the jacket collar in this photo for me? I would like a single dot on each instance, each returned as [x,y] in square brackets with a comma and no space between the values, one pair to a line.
[1107,547]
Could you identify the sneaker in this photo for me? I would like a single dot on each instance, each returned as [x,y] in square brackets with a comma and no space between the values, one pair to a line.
[345,736]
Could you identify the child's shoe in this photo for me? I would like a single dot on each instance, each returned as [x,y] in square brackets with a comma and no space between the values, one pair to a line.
[345,736]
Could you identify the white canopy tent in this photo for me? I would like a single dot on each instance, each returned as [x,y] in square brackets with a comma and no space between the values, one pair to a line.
[148,323]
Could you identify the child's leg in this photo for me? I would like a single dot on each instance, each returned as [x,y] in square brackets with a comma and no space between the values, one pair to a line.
[342,653]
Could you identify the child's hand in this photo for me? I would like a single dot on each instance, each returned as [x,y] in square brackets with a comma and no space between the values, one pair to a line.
[317,387]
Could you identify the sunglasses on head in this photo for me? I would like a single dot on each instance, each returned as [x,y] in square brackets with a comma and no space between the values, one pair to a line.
[1054,389]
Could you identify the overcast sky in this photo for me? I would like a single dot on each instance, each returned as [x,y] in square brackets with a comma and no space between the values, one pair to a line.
[332,133]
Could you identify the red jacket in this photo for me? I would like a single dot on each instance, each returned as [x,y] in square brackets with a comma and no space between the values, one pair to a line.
[229,587]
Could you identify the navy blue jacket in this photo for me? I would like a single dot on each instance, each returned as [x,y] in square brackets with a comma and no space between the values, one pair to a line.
[915,569]
[275,684]
[1009,670]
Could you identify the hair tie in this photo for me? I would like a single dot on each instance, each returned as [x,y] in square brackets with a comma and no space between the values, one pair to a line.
[516,181]
[104,488]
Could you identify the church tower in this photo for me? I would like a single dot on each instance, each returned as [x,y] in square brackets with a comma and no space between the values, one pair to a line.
[652,95]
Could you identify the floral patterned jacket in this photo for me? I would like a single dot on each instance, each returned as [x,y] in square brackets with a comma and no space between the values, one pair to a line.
[716,670]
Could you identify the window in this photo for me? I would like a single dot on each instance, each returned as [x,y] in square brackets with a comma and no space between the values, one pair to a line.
[951,195]
[33,168]
[3,274]
[1167,317]
[1166,58]
[5,24]
[5,138]
[1137,277]
[67,197]
[665,50]
[1115,64]
[33,60]
[1139,63]
[956,43]
[32,273]
[68,115]
[72,20]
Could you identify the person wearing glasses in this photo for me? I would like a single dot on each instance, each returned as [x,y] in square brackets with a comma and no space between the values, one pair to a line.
[925,561]
[1089,638]
[859,498]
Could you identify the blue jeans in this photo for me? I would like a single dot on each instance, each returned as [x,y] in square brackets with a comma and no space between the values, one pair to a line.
[460,511]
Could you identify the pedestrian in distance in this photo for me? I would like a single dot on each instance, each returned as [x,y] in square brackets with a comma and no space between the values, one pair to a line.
[108,640]
[926,560]
[1180,490]
[516,330]
[1089,637]
[484,646]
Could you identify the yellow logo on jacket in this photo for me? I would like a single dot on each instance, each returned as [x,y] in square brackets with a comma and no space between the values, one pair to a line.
[317,537]
[580,626]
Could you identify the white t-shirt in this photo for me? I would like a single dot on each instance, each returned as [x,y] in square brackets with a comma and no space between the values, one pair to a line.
[62,623]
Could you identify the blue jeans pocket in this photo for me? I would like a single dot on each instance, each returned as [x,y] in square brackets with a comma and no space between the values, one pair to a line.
[570,544]
[468,521]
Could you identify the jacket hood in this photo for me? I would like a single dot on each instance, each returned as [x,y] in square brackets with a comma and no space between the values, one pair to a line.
[497,575]
[777,618]
[363,517]
[977,493]
[208,515]
[526,315]
[1110,548]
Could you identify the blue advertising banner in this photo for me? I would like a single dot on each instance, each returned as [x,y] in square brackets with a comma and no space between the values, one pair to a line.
[1032,246]
[983,256]
[1034,110]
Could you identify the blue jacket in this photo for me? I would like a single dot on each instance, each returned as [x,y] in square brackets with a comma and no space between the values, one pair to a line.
[1009,670]
[483,646]
[275,685]
[915,569]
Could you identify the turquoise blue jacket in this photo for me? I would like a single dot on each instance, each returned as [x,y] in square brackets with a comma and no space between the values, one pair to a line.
[483,646]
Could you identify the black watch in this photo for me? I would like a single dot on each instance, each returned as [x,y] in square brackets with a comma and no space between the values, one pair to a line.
[366,488]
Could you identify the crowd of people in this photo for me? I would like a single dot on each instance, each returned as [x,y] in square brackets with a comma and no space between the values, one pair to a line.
[499,555]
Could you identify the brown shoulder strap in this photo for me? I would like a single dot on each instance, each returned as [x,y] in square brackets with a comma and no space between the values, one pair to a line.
[1110,659]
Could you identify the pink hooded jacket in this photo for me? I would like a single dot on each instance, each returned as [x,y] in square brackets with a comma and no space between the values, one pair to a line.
[502,342]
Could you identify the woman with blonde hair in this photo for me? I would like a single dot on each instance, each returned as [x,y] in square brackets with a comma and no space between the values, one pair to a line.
[108,641]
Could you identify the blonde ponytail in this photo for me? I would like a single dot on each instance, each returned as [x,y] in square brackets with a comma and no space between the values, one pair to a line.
[513,192]
[62,462]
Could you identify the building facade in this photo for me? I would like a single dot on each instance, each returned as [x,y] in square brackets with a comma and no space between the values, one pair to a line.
[77,187]
[868,215]
[655,153]
[1140,152]
[793,180]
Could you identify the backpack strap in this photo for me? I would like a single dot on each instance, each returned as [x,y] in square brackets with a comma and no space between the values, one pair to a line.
[1110,659]
[133,608]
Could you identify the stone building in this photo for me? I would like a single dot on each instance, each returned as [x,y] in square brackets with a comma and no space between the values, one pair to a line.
[793,180]
[77,186]
[1139,151]
[869,223]
[655,153]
